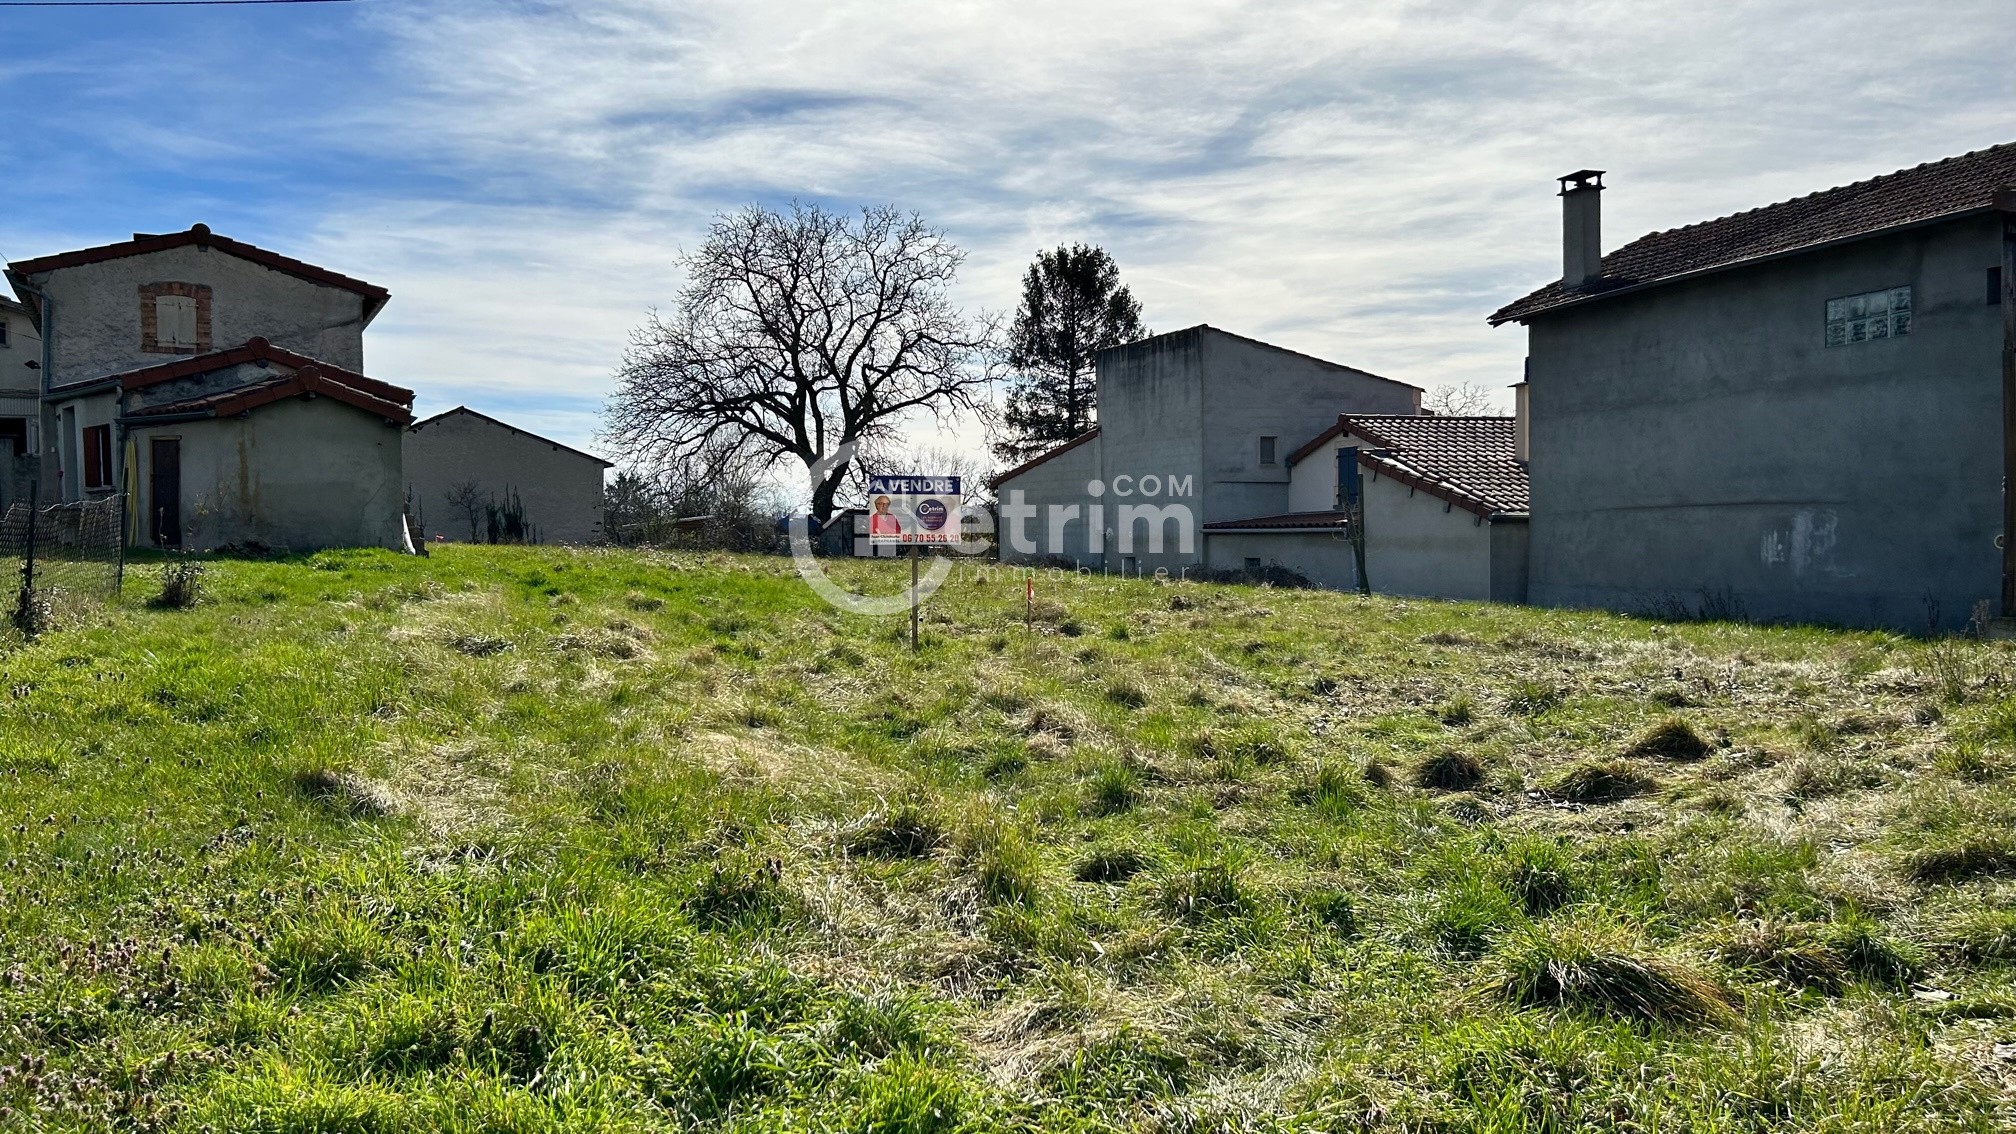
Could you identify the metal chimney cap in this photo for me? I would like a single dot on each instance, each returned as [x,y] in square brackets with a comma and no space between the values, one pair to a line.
[1581,179]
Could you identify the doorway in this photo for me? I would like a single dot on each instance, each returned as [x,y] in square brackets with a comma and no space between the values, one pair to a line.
[164,490]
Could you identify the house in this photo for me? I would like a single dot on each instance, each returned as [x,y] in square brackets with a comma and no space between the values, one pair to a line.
[1443,503]
[20,400]
[465,469]
[220,386]
[1195,429]
[1796,412]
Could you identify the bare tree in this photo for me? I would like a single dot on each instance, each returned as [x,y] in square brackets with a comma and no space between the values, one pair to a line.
[1460,399]
[471,502]
[797,333]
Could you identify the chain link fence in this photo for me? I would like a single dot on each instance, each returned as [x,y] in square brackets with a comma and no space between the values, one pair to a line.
[54,555]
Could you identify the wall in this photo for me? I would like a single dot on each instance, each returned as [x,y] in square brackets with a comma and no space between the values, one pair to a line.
[296,475]
[1414,547]
[1510,559]
[20,394]
[97,314]
[1326,559]
[1255,390]
[561,489]
[1699,438]
[1060,480]
[1151,424]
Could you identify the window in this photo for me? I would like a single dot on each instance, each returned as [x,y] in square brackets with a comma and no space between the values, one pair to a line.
[14,431]
[1872,315]
[1252,563]
[3,332]
[98,456]
[174,318]
[1994,290]
[1267,450]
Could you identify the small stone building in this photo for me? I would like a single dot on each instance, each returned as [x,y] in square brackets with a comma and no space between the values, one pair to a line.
[470,476]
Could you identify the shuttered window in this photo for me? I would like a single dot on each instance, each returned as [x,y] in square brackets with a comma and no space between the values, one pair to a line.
[98,456]
[175,320]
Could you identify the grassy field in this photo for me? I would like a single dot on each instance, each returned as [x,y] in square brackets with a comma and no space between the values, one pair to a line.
[521,840]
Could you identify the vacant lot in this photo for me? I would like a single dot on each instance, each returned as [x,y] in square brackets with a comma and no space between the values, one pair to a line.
[515,840]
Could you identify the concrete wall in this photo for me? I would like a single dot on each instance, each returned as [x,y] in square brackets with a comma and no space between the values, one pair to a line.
[1700,437]
[1414,547]
[1326,559]
[1510,560]
[97,312]
[561,489]
[296,475]
[20,394]
[1253,390]
[1152,423]
[1060,480]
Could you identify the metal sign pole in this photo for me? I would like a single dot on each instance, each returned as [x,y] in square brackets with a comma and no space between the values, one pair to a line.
[913,598]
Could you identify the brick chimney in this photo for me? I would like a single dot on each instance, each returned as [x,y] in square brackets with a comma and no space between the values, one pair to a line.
[1581,227]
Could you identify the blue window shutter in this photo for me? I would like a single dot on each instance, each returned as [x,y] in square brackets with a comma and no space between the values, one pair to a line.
[1347,477]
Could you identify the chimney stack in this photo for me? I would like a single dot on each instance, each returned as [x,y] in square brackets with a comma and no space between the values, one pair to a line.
[1581,227]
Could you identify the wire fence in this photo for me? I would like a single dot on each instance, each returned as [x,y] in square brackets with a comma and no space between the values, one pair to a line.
[52,555]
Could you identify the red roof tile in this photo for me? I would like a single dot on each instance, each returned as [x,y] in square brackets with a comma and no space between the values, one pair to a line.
[1287,521]
[253,350]
[1935,190]
[306,382]
[142,244]
[1466,461]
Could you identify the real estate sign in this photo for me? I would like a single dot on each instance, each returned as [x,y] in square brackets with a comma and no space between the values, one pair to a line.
[913,509]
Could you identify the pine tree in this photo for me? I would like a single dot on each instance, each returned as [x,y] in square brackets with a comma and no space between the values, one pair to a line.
[1073,307]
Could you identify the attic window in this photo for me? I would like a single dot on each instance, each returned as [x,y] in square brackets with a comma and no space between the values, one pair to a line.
[3,332]
[1872,315]
[174,318]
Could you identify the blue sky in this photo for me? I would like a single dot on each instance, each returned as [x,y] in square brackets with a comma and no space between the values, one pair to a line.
[1362,181]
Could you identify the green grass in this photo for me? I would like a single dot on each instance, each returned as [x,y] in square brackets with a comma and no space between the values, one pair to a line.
[537,840]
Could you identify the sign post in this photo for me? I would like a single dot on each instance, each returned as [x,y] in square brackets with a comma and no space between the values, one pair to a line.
[913,511]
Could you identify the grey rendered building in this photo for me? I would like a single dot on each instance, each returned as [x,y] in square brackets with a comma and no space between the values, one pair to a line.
[1196,427]
[1796,412]
[463,455]
[219,386]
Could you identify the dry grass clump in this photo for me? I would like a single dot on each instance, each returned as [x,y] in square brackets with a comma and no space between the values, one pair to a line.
[1457,711]
[1600,780]
[1670,739]
[903,829]
[1606,971]
[1821,955]
[347,793]
[1109,864]
[1976,857]
[1530,698]
[1982,936]
[478,645]
[1449,770]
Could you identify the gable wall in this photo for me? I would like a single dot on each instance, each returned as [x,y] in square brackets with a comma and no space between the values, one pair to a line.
[561,490]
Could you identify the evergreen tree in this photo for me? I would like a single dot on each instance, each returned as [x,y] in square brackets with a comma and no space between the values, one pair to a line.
[1073,307]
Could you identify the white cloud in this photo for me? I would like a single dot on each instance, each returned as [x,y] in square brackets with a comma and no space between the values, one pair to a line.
[1362,181]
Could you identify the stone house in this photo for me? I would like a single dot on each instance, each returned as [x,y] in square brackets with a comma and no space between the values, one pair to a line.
[1797,412]
[220,386]
[462,468]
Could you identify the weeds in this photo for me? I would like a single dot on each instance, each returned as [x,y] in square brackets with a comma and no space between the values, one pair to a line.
[1603,970]
[1671,739]
[1599,781]
[1449,770]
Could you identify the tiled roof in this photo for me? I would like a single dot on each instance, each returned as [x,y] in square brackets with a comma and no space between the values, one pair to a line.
[253,350]
[1287,521]
[306,382]
[1926,192]
[1032,462]
[143,243]
[1466,461]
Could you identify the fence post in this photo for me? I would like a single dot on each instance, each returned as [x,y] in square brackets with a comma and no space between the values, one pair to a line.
[119,551]
[24,610]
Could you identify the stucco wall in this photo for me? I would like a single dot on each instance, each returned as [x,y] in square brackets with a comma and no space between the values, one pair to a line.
[561,490]
[1060,480]
[1327,560]
[1510,560]
[1700,437]
[20,392]
[97,312]
[1254,391]
[1414,547]
[295,475]
[1151,423]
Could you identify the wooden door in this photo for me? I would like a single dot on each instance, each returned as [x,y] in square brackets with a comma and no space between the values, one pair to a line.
[164,491]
